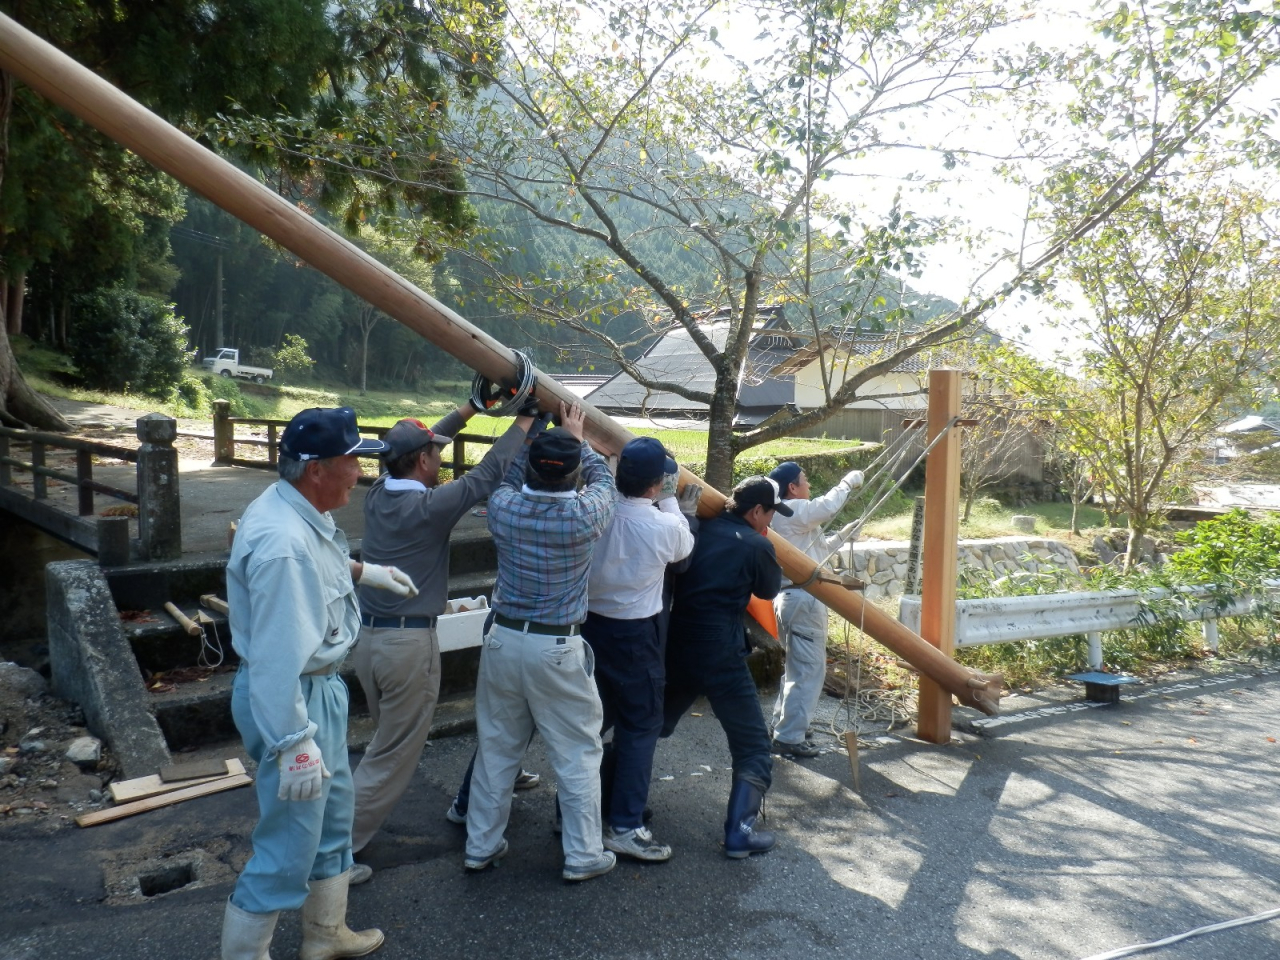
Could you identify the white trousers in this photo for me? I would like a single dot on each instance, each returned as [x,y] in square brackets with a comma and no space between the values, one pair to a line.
[802,627]
[530,680]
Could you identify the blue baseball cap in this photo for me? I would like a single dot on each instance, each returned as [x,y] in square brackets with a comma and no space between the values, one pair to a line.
[645,458]
[785,474]
[319,433]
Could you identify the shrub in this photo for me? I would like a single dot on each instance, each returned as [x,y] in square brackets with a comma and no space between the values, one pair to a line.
[126,342]
[292,359]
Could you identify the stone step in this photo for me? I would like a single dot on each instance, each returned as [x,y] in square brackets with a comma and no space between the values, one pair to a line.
[198,714]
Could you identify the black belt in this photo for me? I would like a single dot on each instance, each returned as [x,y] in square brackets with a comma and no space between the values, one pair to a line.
[398,623]
[530,626]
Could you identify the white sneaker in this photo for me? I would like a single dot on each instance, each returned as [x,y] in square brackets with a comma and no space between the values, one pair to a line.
[637,843]
[596,868]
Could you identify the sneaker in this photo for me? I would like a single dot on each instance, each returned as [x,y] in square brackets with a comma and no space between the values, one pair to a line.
[637,843]
[606,862]
[360,873]
[454,815]
[476,864]
[526,780]
[804,749]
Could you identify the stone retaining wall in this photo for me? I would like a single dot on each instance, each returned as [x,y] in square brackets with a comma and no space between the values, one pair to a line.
[883,563]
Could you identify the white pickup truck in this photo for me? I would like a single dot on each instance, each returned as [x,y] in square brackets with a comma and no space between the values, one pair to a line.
[226,363]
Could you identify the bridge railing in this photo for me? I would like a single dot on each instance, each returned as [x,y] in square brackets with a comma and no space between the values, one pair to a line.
[225,441]
[155,494]
[1011,619]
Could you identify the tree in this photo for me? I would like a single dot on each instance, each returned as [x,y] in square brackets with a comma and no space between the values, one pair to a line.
[66,186]
[992,445]
[307,61]
[1181,301]
[127,341]
[596,110]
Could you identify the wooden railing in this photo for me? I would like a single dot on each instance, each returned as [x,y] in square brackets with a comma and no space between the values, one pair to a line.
[225,441]
[156,493]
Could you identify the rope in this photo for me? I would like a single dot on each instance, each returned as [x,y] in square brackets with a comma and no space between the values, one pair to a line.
[499,399]
[207,648]
[1167,941]
[893,478]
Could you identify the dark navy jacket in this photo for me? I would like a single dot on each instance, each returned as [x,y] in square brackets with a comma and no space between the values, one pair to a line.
[729,563]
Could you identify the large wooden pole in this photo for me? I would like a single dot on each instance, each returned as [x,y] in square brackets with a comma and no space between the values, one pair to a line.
[56,76]
[941,544]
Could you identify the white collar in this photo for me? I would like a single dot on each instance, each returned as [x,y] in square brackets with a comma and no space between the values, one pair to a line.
[403,483]
[562,494]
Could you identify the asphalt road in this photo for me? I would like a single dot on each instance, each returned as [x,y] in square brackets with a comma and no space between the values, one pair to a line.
[1059,837]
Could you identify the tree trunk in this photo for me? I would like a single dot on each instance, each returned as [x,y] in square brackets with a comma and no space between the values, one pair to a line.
[20,406]
[1133,551]
[364,362]
[720,448]
[1075,516]
[15,296]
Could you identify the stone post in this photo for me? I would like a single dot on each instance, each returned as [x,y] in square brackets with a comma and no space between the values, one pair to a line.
[224,445]
[159,514]
[113,541]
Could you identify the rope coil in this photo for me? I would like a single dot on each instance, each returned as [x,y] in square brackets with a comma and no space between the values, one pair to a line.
[505,398]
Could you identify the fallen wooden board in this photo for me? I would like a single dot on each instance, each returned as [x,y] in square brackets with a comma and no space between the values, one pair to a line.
[164,800]
[183,773]
[139,788]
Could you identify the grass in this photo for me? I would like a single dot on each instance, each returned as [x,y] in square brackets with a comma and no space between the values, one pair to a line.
[992,519]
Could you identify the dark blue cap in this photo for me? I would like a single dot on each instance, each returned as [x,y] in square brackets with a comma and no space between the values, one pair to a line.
[644,458]
[785,474]
[759,490]
[555,453]
[318,433]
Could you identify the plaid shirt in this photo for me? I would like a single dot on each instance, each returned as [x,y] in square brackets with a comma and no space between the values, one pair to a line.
[545,542]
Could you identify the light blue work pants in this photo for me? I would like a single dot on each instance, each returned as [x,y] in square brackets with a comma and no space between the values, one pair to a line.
[296,840]
[528,680]
[802,627]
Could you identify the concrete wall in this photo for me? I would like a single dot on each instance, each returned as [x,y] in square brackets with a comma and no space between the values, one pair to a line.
[93,665]
[883,563]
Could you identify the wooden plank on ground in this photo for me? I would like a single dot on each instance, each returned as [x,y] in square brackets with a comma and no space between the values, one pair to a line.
[195,770]
[139,788]
[164,800]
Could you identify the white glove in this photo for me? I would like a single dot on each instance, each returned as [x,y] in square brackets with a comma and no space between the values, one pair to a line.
[688,499]
[302,772]
[387,578]
[670,481]
[848,530]
[853,479]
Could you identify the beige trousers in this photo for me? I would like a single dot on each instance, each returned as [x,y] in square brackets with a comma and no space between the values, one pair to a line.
[399,670]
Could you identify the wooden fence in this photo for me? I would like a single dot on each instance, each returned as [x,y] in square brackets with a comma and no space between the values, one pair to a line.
[225,441]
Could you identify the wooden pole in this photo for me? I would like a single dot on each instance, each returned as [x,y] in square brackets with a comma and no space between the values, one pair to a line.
[941,540]
[78,90]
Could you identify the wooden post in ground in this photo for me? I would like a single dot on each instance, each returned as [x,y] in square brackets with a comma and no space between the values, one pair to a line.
[224,431]
[941,544]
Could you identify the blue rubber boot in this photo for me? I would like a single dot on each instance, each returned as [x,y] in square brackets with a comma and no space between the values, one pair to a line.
[741,839]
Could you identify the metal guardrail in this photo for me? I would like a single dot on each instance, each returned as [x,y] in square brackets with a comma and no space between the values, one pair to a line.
[1039,617]
[225,441]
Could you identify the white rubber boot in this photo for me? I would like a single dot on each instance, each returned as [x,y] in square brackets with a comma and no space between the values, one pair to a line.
[245,935]
[325,935]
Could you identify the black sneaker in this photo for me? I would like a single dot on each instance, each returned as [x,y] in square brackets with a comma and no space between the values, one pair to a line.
[803,750]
